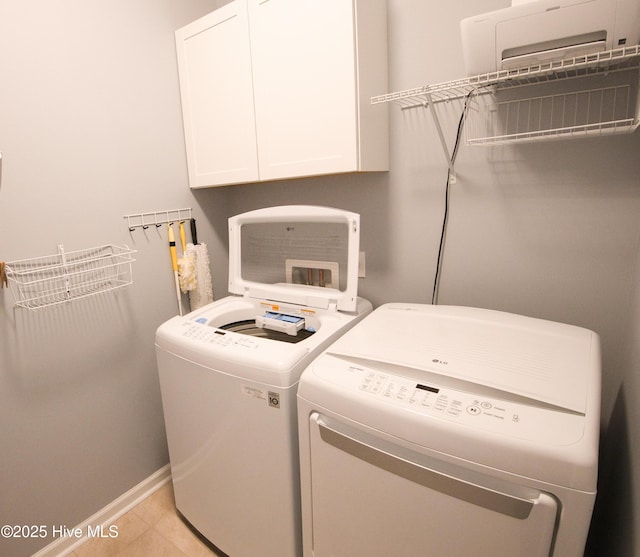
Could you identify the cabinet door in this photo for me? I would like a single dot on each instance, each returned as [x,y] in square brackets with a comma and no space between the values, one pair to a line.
[303,55]
[214,63]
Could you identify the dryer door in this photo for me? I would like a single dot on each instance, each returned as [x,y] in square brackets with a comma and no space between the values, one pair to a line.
[370,498]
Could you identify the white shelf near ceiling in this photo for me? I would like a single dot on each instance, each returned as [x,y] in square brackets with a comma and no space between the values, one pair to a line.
[594,94]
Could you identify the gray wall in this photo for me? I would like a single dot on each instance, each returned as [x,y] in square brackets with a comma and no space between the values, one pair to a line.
[549,230]
[90,130]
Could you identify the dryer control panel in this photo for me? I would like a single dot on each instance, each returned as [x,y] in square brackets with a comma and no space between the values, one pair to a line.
[480,408]
[433,399]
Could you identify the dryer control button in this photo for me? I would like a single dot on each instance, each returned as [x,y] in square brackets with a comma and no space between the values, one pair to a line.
[474,410]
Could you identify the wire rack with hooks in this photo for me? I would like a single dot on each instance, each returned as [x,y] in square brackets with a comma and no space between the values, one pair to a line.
[157,218]
[41,282]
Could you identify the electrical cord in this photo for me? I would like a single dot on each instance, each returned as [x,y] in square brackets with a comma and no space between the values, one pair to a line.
[447,192]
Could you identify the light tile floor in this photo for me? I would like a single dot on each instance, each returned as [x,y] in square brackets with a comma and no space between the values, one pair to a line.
[151,529]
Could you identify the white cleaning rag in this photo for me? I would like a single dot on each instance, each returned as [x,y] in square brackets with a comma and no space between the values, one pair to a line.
[202,294]
[187,276]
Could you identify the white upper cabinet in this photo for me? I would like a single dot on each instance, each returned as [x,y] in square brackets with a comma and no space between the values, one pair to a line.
[214,63]
[301,79]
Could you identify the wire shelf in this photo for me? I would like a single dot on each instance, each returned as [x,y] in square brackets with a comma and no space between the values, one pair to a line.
[597,63]
[617,109]
[41,282]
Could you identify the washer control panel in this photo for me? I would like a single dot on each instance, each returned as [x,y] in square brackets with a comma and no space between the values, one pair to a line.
[196,332]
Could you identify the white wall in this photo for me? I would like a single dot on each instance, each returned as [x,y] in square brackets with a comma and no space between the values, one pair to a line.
[90,130]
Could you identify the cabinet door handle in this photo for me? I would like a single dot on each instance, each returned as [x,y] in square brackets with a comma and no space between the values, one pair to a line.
[503,503]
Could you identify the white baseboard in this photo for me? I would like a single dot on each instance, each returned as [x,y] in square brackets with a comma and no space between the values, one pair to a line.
[109,514]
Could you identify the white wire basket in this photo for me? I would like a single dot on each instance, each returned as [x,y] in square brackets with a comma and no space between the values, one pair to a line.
[597,111]
[45,281]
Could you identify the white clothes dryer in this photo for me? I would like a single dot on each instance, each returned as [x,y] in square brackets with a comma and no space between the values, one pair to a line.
[450,431]
[229,374]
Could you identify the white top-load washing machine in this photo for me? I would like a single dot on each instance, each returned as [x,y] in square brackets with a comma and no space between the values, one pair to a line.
[229,374]
[449,432]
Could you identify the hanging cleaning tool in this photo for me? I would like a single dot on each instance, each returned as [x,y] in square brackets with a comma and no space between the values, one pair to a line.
[194,232]
[202,294]
[174,264]
[186,264]
[3,275]
[183,236]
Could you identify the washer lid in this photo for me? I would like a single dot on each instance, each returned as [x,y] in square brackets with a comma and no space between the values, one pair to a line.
[511,356]
[297,254]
